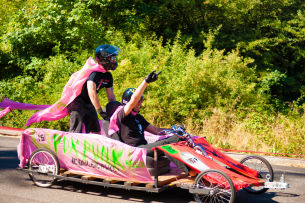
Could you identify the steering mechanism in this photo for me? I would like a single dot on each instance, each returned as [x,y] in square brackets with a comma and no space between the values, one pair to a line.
[179,131]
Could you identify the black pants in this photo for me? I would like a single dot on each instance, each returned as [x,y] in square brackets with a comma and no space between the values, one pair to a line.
[169,140]
[82,113]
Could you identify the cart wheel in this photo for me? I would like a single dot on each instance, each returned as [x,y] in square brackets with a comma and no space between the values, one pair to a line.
[263,167]
[219,184]
[44,162]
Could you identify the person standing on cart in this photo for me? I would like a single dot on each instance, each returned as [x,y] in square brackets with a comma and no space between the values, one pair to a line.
[79,98]
[83,110]
[131,125]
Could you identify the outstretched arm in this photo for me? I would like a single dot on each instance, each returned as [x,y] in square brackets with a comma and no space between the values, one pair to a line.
[136,96]
[155,130]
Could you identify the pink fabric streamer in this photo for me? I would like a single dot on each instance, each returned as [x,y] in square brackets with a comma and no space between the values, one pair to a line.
[22,106]
[113,127]
[90,154]
[5,111]
[71,90]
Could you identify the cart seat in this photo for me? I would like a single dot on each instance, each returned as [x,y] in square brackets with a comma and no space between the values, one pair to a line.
[163,165]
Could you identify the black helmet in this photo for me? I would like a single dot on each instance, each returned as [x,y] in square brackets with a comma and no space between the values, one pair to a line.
[127,95]
[106,55]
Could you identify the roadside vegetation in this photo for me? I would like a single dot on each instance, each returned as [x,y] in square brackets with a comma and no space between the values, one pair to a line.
[232,71]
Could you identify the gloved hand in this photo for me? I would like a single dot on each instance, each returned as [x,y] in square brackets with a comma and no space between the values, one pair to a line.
[102,114]
[152,76]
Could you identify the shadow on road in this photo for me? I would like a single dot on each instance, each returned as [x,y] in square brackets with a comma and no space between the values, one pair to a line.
[176,195]
[8,159]
[243,196]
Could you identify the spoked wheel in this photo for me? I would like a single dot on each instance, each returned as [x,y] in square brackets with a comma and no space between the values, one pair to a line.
[263,167]
[219,186]
[45,163]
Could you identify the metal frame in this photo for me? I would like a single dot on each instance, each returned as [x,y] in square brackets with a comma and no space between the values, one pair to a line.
[105,184]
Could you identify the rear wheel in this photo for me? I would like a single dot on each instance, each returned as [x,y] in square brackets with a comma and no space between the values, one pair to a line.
[219,185]
[45,163]
[264,169]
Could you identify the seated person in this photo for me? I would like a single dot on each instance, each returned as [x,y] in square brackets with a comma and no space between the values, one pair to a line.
[110,109]
[131,124]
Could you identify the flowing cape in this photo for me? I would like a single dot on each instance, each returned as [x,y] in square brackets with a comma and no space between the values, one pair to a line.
[21,106]
[113,127]
[5,111]
[71,90]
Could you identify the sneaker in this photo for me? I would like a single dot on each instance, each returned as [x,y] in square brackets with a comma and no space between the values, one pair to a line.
[192,173]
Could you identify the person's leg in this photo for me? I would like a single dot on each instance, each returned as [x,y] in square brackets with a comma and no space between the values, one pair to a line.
[172,139]
[75,118]
[169,140]
[91,121]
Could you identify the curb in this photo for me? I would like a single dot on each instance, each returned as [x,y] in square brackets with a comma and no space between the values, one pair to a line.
[282,161]
[10,131]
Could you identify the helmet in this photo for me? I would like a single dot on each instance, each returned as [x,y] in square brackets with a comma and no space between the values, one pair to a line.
[106,55]
[127,95]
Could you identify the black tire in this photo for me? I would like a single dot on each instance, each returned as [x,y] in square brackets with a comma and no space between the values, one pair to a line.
[263,167]
[222,191]
[44,162]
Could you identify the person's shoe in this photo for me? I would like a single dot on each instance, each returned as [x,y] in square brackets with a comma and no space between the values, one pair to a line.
[192,173]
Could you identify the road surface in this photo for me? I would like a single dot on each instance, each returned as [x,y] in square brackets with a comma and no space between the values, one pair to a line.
[15,187]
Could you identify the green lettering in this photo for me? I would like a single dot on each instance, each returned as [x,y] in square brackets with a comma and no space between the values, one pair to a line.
[87,147]
[116,156]
[57,139]
[96,152]
[65,144]
[74,146]
[127,162]
[104,154]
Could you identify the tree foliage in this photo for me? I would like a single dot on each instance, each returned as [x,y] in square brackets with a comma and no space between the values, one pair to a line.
[240,59]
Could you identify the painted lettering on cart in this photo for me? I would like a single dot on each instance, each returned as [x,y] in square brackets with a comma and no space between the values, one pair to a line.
[134,164]
[100,153]
[84,149]
[92,164]
[42,139]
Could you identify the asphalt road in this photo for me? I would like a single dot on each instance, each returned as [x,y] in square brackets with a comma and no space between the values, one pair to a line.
[15,187]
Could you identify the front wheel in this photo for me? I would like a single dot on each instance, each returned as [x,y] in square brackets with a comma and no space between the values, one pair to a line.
[218,184]
[43,162]
[264,169]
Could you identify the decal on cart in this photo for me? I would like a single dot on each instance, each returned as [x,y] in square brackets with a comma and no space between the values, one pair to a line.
[169,149]
[193,161]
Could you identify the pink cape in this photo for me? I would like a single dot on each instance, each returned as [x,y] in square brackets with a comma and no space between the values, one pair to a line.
[22,106]
[5,111]
[71,90]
